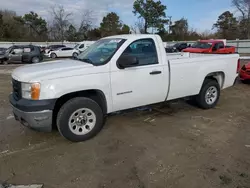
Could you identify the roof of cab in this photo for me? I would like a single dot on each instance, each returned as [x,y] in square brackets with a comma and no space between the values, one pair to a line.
[132,36]
[211,41]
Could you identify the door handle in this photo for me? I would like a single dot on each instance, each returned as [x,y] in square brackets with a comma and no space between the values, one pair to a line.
[155,72]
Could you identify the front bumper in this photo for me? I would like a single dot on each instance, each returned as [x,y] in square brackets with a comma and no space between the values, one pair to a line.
[40,121]
[36,115]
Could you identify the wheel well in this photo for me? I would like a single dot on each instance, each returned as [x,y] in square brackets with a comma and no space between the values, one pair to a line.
[218,76]
[96,95]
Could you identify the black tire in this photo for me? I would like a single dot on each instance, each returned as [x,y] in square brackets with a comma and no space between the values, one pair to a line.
[201,98]
[245,81]
[53,55]
[35,60]
[75,54]
[69,108]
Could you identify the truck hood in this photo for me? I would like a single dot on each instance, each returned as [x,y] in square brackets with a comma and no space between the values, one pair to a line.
[195,50]
[50,70]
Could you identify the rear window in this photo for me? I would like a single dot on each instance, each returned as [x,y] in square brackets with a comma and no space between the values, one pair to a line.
[27,49]
[202,45]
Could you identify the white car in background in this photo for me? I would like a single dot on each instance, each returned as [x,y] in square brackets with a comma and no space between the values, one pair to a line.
[64,52]
[83,45]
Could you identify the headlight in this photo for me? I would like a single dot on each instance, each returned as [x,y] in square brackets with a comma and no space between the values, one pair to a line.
[31,91]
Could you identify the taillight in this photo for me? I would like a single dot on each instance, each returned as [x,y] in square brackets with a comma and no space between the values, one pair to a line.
[238,66]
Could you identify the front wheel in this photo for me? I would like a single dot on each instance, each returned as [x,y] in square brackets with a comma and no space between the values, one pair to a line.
[80,119]
[75,54]
[209,94]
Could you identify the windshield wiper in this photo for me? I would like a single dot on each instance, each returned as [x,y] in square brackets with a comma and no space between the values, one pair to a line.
[86,60]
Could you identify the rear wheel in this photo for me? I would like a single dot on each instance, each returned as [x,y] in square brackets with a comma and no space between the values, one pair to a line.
[80,119]
[209,94]
[75,54]
[35,60]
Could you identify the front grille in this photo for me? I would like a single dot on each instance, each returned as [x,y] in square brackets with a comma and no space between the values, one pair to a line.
[17,91]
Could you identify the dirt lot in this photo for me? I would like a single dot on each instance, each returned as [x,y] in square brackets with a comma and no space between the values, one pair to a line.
[177,146]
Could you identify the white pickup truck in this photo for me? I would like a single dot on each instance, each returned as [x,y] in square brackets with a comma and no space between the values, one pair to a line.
[115,73]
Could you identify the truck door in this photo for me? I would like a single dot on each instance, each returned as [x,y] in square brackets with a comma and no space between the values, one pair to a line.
[140,84]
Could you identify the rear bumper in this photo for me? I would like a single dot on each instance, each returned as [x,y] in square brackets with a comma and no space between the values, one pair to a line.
[36,115]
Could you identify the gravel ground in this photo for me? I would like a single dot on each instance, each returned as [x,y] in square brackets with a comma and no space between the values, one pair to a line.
[174,145]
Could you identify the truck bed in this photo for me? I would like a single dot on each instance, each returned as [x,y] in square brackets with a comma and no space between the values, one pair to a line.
[185,55]
[185,68]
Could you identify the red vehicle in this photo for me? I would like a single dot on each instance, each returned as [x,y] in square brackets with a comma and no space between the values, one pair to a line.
[245,73]
[210,46]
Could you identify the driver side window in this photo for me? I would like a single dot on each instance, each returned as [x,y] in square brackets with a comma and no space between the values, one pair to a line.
[144,50]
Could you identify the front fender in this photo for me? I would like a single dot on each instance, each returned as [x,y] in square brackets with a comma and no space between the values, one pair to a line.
[54,89]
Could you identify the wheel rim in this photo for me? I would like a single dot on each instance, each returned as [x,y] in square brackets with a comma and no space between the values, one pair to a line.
[35,60]
[53,55]
[82,121]
[211,95]
[74,54]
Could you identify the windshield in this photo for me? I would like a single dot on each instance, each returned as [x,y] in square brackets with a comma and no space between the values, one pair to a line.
[176,45]
[203,45]
[76,46]
[8,50]
[101,51]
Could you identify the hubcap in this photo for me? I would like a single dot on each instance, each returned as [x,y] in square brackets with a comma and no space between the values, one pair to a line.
[211,95]
[82,121]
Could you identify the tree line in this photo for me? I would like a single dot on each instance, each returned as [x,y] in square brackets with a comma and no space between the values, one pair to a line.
[151,18]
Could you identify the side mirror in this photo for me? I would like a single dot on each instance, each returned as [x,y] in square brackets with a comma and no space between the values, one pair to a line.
[127,61]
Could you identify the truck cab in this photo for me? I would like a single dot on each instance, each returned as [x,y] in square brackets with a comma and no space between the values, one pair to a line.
[210,46]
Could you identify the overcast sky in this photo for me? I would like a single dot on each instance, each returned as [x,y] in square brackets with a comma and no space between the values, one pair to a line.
[201,14]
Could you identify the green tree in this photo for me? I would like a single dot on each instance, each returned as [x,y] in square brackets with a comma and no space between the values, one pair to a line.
[11,29]
[125,29]
[37,25]
[243,6]
[227,26]
[71,33]
[94,34]
[179,30]
[110,25]
[1,26]
[152,12]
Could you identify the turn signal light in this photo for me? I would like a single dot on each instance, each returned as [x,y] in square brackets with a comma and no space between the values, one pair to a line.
[35,91]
